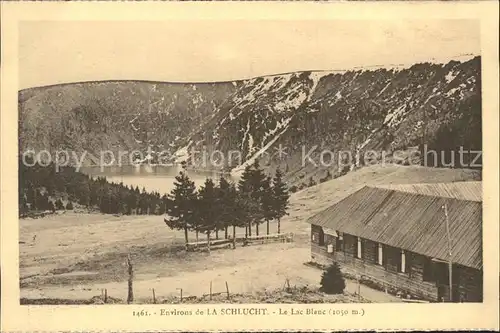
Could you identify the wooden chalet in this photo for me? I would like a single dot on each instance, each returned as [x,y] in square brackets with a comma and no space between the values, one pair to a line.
[395,237]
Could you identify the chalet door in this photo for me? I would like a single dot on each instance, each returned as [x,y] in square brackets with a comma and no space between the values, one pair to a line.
[443,293]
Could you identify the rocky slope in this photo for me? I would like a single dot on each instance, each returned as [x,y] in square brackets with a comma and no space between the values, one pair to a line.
[382,109]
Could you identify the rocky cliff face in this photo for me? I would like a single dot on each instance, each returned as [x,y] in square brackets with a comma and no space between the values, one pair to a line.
[273,118]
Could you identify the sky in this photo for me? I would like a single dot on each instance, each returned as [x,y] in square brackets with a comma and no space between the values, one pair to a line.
[53,52]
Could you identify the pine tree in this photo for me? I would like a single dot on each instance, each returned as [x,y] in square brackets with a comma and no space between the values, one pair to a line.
[163,204]
[332,280]
[244,191]
[245,185]
[207,209]
[225,204]
[267,202]
[280,197]
[181,204]
[250,189]
[257,180]
[234,210]
[84,194]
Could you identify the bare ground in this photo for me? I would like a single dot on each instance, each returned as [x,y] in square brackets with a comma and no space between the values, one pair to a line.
[76,256]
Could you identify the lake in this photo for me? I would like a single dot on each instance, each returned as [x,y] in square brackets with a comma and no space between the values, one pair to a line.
[152,178]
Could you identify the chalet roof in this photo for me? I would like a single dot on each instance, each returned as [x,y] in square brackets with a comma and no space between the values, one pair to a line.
[471,190]
[411,221]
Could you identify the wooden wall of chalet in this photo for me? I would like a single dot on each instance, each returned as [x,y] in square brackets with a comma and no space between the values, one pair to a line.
[418,278]
[469,283]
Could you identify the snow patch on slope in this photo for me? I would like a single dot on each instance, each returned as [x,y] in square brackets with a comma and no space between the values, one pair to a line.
[315,77]
[182,154]
[450,76]
[392,118]
[237,172]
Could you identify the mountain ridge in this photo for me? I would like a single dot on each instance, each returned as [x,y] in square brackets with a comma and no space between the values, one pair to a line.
[353,110]
[464,57]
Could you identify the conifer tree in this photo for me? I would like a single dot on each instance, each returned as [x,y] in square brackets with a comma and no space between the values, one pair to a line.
[163,204]
[225,204]
[234,211]
[207,209]
[257,194]
[267,202]
[280,197]
[332,280]
[250,189]
[244,197]
[181,204]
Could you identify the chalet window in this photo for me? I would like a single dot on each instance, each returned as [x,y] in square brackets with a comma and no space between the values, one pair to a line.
[402,266]
[380,254]
[359,252]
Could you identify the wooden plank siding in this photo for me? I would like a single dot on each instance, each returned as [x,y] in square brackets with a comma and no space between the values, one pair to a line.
[370,251]
[418,278]
[378,214]
[470,284]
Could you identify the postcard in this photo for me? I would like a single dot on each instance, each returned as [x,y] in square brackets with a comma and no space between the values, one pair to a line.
[249,166]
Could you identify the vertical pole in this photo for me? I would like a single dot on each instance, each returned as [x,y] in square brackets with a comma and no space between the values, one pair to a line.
[450,263]
[210,290]
[359,287]
[227,290]
[130,297]
[181,293]
[234,237]
[105,296]
[424,136]
[154,296]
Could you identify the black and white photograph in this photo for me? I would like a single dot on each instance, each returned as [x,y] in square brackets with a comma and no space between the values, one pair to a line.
[245,162]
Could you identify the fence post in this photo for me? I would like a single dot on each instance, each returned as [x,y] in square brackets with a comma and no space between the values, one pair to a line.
[227,289]
[181,293]
[130,297]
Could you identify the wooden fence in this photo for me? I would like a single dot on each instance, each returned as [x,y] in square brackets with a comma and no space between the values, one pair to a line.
[248,240]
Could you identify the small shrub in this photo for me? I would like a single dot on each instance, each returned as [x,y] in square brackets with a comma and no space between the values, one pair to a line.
[69,206]
[332,280]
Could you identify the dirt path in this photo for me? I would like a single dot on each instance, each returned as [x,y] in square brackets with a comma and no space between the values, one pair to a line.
[75,256]
[253,269]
